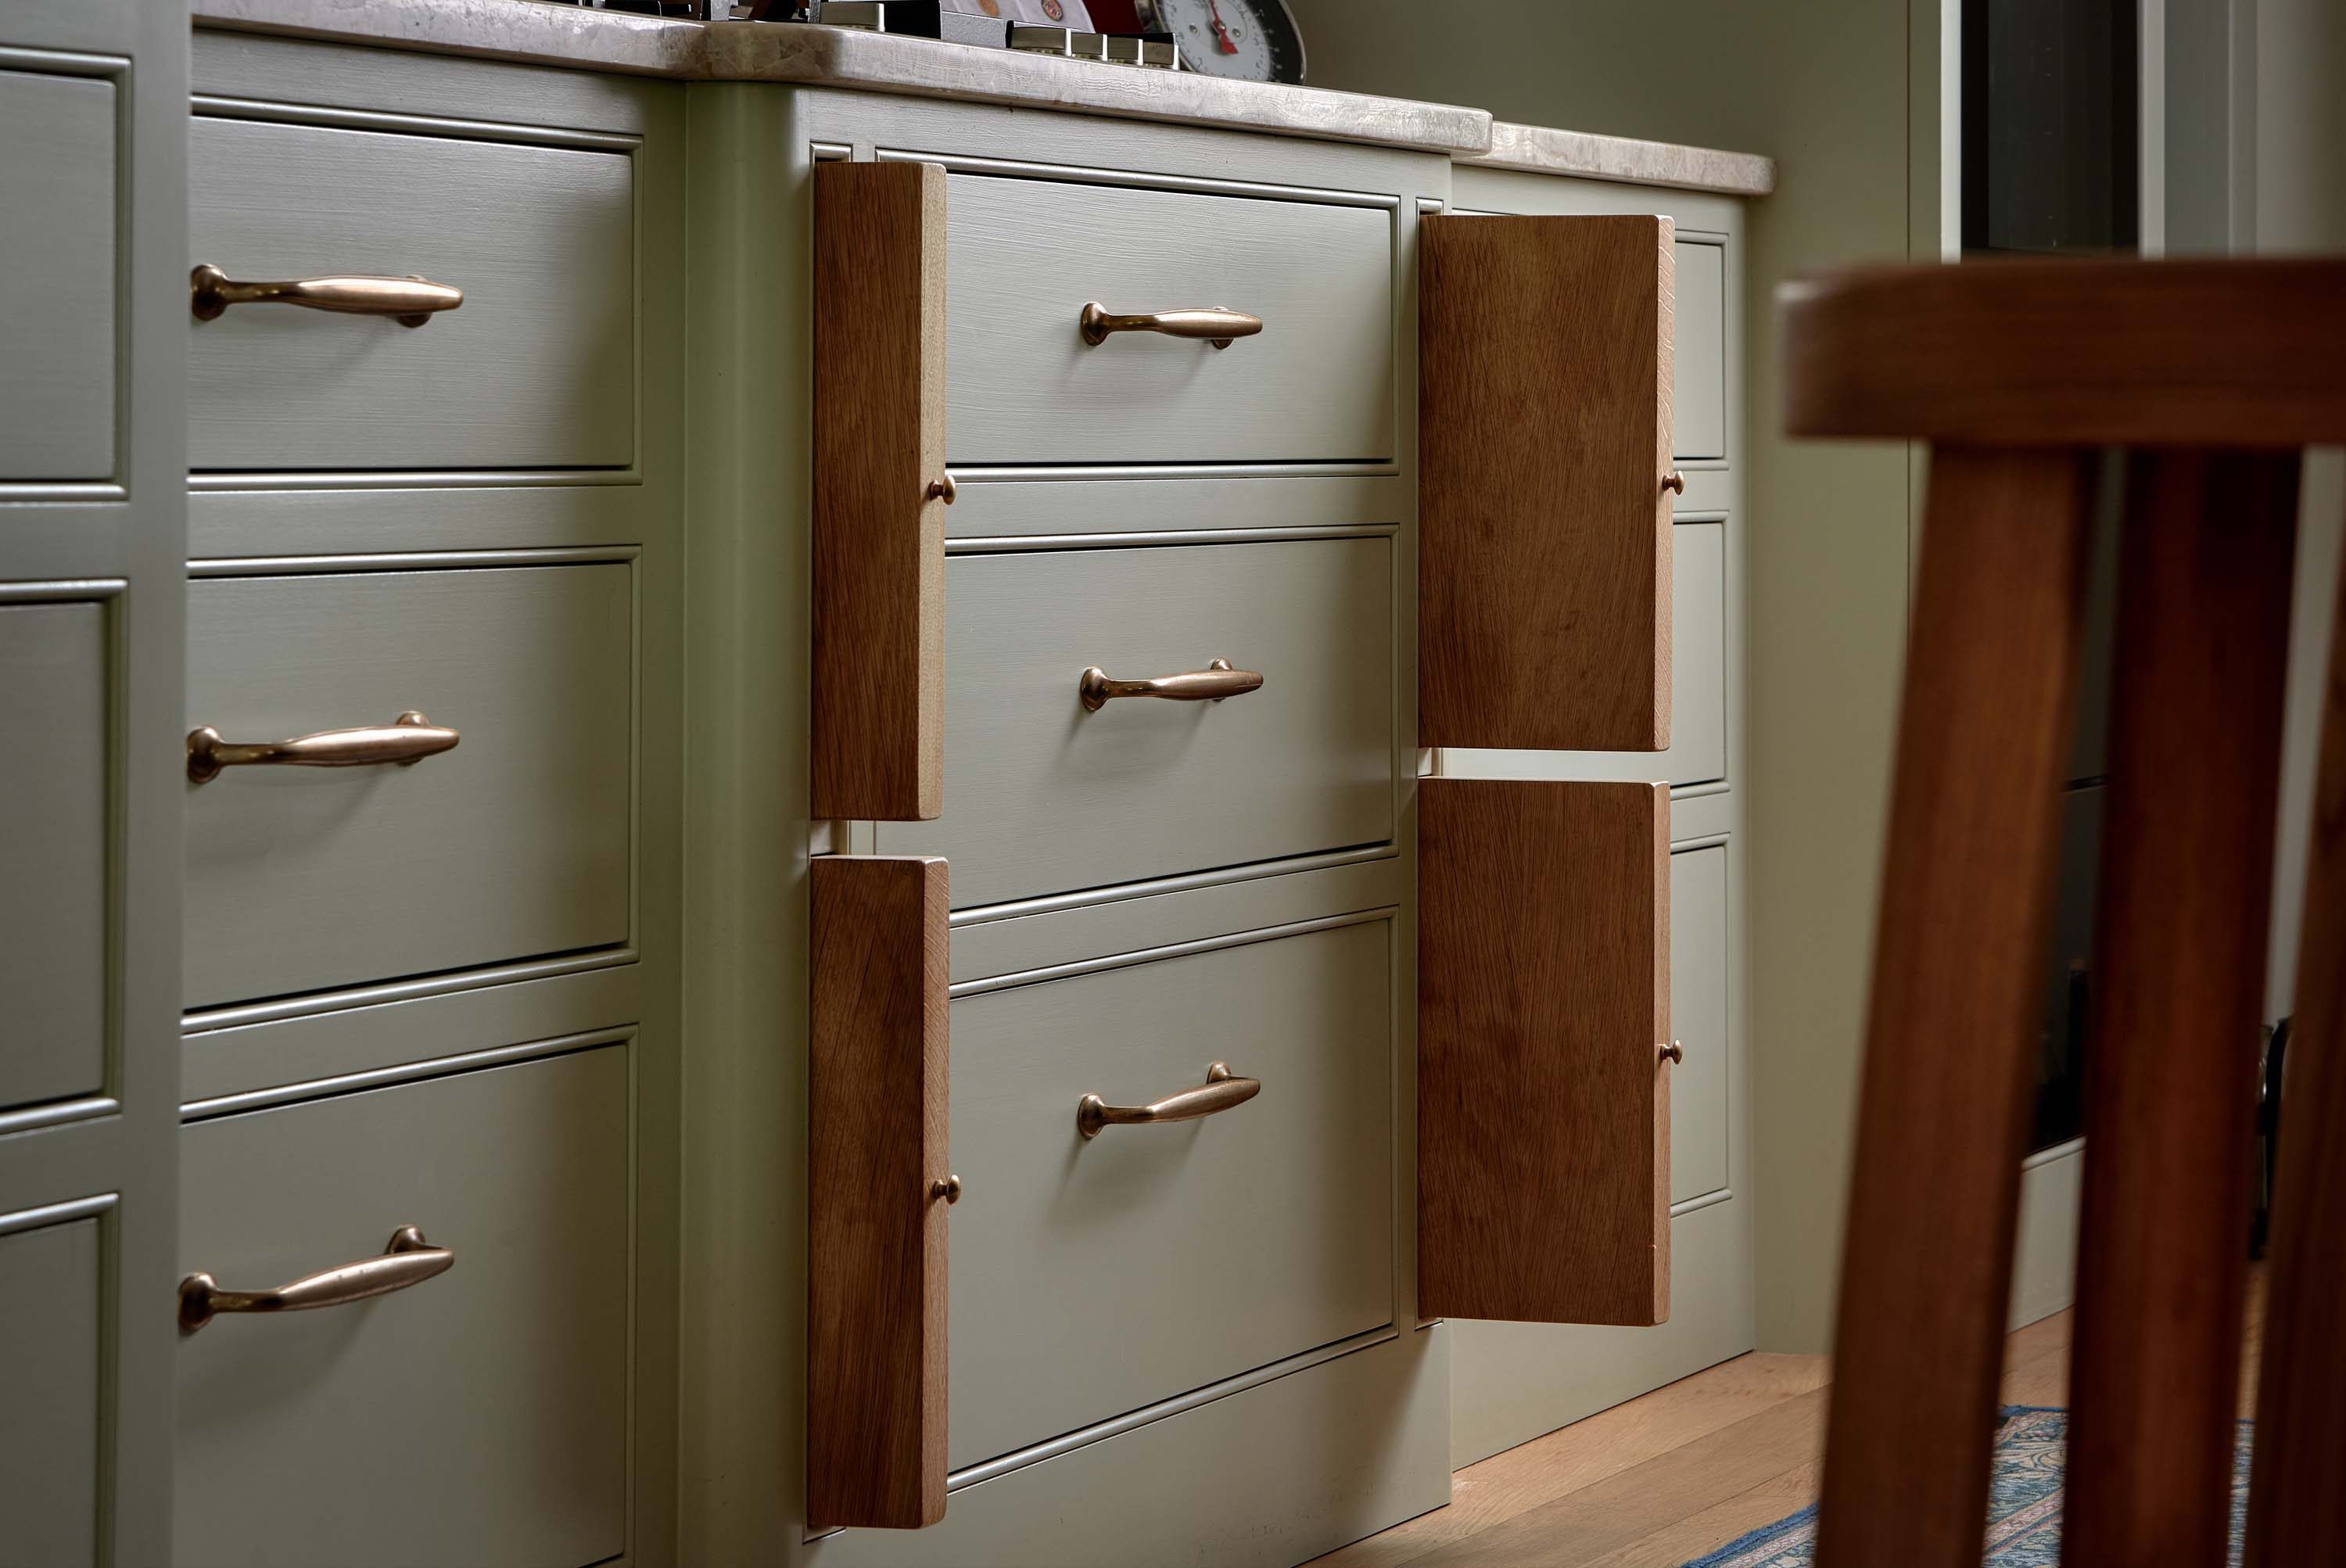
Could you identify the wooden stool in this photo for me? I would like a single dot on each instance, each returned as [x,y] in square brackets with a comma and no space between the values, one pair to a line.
[2214,374]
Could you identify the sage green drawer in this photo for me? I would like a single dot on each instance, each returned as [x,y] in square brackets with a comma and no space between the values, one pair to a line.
[51,1303]
[478,1417]
[516,843]
[1090,1278]
[1042,796]
[1025,255]
[58,252]
[55,782]
[535,369]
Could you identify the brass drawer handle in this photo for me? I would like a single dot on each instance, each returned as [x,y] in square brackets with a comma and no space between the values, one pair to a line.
[1221,1092]
[408,1260]
[1673,1052]
[408,739]
[1218,324]
[1211,684]
[411,301]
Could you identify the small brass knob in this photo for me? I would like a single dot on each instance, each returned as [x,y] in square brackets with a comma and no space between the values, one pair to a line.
[1674,481]
[1673,1052]
[943,490]
[948,1189]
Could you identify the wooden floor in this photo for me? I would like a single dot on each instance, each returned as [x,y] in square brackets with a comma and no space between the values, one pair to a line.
[1679,1472]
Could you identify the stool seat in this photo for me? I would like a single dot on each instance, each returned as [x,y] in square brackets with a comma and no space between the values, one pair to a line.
[2115,352]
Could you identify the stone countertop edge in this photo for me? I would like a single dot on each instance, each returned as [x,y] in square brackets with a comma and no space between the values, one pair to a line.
[1542,149]
[533,31]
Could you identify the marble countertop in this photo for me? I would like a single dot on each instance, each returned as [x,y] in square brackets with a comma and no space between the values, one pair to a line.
[540,33]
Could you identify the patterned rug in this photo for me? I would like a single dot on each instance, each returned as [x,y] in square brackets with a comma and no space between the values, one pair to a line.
[2024,1505]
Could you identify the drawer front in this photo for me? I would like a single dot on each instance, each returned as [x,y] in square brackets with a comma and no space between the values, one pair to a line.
[53,778]
[1025,255]
[1699,1015]
[50,1307]
[1698,386]
[1697,750]
[478,1417]
[513,844]
[1092,1276]
[57,253]
[535,369]
[1042,797]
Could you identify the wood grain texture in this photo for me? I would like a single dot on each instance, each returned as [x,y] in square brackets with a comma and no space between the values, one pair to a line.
[2297,1509]
[1316,384]
[879,537]
[537,370]
[1544,1111]
[2070,352]
[876,1129]
[517,843]
[1544,433]
[1951,1033]
[2186,888]
[1048,799]
[501,1389]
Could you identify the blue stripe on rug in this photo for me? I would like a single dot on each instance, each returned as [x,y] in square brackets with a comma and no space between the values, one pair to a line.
[2024,1508]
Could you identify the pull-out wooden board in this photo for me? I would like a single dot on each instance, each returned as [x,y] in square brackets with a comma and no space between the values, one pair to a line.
[880,486]
[1544,443]
[1543,1006]
[876,1105]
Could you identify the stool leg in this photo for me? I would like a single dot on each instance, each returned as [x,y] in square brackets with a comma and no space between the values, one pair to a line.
[2180,970]
[2297,1510]
[1951,1035]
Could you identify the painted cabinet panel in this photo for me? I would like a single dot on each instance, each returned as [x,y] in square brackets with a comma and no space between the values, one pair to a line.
[58,251]
[478,1416]
[1043,795]
[1697,750]
[1092,1276]
[55,780]
[513,844]
[1022,384]
[1698,419]
[535,369]
[50,1318]
[1698,1085]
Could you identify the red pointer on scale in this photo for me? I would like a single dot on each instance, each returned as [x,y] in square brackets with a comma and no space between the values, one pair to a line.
[1222,44]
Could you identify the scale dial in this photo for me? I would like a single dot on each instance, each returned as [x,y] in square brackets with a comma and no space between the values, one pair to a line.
[1252,40]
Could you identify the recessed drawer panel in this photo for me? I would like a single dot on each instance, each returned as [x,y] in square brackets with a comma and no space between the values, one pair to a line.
[1043,795]
[57,253]
[54,781]
[50,1310]
[1023,385]
[1698,751]
[476,1416]
[515,843]
[1699,388]
[1090,1277]
[534,369]
[1698,1087]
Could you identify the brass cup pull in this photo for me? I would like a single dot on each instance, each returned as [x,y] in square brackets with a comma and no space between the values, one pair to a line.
[1218,324]
[408,1260]
[408,739]
[410,301]
[1221,1092]
[1216,681]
